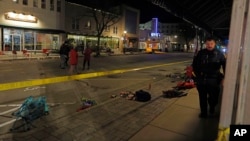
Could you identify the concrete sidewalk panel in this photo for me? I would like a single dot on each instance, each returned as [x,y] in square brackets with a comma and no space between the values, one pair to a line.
[185,121]
[153,133]
[190,101]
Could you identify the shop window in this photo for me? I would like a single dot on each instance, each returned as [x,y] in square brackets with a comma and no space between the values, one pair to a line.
[44,41]
[55,42]
[75,24]
[35,3]
[58,4]
[29,41]
[52,5]
[43,4]
[25,2]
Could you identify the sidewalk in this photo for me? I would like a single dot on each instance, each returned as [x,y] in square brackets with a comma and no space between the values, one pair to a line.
[38,56]
[180,122]
[119,119]
[8,57]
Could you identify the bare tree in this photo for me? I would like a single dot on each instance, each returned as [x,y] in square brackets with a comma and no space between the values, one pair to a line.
[188,32]
[105,15]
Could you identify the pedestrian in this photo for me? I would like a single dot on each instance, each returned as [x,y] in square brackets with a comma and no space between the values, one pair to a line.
[87,55]
[73,59]
[64,54]
[206,66]
[166,48]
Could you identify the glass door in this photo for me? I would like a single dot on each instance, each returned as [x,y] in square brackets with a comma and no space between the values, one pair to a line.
[16,45]
[55,42]
[12,42]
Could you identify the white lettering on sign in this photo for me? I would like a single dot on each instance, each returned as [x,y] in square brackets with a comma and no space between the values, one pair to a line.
[240,132]
[155,34]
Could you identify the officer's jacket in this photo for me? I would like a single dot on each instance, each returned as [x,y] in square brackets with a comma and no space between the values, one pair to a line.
[208,63]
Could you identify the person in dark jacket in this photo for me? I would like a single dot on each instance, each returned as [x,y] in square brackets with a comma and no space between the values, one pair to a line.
[64,54]
[206,66]
[87,55]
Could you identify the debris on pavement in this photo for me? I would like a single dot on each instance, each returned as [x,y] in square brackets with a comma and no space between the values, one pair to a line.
[187,84]
[173,93]
[185,80]
[31,109]
[189,72]
[176,75]
[125,94]
[86,103]
[113,96]
[141,95]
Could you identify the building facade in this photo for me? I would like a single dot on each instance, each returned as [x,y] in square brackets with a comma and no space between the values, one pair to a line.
[169,35]
[31,24]
[81,26]
[35,25]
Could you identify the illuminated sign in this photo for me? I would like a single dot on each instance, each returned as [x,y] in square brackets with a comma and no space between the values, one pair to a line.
[20,17]
[155,34]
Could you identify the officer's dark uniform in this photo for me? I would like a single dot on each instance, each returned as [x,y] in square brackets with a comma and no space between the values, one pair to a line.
[206,66]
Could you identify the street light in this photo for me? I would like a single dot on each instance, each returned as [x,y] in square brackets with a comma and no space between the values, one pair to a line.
[124,37]
[175,36]
[124,40]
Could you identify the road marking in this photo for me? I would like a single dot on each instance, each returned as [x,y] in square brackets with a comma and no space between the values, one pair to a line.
[8,122]
[62,103]
[8,111]
[11,105]
[14,109]
[44,81]
[33,88]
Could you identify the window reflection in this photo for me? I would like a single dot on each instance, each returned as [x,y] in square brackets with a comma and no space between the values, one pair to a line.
[29,41]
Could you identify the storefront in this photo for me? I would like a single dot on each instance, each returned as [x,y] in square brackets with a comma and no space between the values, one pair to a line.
[105,42]
[19,39]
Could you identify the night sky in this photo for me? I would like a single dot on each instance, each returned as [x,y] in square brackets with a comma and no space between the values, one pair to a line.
[148,10]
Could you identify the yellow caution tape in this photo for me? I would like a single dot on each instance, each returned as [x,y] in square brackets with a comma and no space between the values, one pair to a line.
[44,81]
[223,134]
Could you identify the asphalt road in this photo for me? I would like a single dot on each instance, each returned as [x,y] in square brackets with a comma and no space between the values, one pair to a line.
[68,94]
[19,70]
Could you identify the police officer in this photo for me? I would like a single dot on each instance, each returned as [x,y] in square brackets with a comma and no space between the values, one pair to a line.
[206,66]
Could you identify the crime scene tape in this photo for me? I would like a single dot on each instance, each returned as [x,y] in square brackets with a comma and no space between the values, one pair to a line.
[44,81]
[223,134]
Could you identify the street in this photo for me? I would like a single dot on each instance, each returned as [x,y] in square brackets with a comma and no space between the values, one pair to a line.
[65,97]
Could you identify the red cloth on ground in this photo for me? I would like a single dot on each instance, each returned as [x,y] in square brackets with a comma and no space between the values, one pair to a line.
[73,57]
[189,71]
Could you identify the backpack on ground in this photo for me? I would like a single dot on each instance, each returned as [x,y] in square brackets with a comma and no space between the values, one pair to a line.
[142,96]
